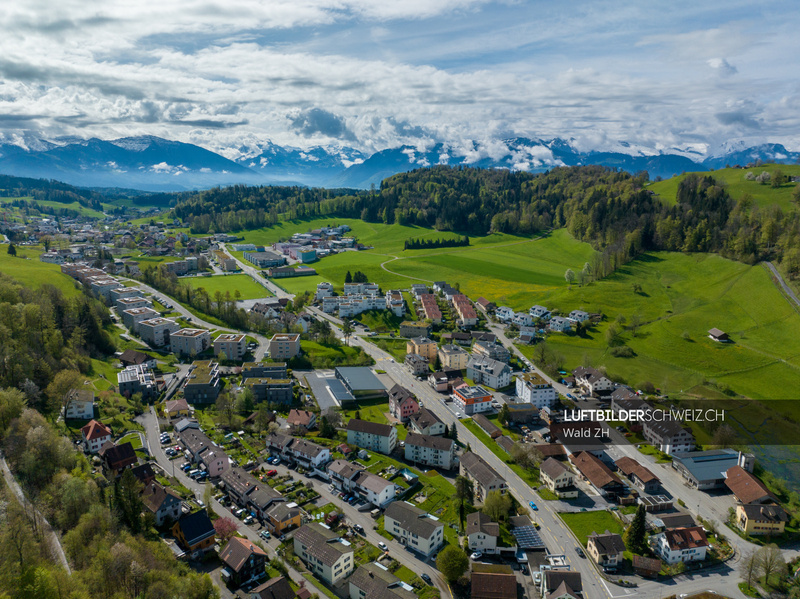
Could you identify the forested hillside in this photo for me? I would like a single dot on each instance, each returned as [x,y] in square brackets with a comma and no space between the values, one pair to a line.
[611,210]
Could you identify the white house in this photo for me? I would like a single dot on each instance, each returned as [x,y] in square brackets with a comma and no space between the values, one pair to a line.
[578,316]
[80,404]
[482,533]
[414,528]
[539,312]
[533,389]
[324,552]
[371,435]
[493,373]
[522,320]
[559,324]
[429,450]
[682,545]
[504,313]
[592,380]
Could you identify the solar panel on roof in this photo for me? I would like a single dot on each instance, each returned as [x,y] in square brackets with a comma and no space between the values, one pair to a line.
[528,537]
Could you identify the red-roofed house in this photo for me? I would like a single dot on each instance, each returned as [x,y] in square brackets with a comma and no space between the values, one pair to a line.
[682,545]
[94,435]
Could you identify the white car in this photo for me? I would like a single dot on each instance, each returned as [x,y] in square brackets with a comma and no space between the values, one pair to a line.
[383,546]
[476,555]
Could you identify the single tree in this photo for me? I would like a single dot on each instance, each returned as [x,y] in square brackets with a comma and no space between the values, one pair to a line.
[464,493]
[504,415]
[570,276]
[497,506]
[772,562]
[348,278]
[635,535]
[347,331]
[127,501]
[58,391]
[226,409]
[226,527]
[750,567]
[452,562]
[724,437]
[12,251]
[208,497]
[326,429]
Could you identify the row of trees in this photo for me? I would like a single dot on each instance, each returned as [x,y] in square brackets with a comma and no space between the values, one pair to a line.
[421,243]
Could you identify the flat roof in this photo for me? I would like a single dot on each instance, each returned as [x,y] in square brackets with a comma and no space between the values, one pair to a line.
[230,337]
[338,390]
[708,465]
[189,333]
[360,378]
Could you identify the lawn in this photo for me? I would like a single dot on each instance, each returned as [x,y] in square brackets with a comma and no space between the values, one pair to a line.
[737,185]
[383,320]
[244,284]
[321,355]
[373,411]
[682,297]
[529,476]
[134,440]
[34,273]
[585,523]
[62,206]
[395,347]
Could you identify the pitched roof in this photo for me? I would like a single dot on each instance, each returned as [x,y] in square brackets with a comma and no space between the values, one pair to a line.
[746,487]
[196,526]
[629,466]
[274,588]
[595,471]
[236,553]
[679,520]
[371,482]
[686,538]
[491,585]
[553,468]
[505,442]
[154,496]
[412,519]
[118,454]
[143,472]
[177,405]
[554,578]
[480,522]
[425,418]
[478,469]
[487,425]
[399,394]
[378,583]
[95,430]
[281,512]
[429,441]
[607,543]
[132,356]
[300,417]
[646,563]
[321,543]
[344,468]
[371,428]
[771,512]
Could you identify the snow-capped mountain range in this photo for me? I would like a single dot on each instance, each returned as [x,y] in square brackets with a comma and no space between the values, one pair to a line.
[155,164]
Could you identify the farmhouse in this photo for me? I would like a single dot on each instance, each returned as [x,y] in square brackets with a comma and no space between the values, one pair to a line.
[746,487]
[301,419]
[717,335]
[597,474]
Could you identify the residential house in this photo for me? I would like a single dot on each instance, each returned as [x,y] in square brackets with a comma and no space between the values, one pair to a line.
[95,435]
[484,477]
[456,337]
[231,346]
[131,357]
[282,517]
[243,562]
[593,381]
[439,381]
[486,304]
[492,581]
[504,313]
[144,473]
[323,552]
[578,316]
[539,312]
[758,519]
[472,400]
[215,462]
[373,581]
[682,545]
[606,549]
[196,442]
[163,503]
[248,492]
[667,435]
[203,382]
[276,588]
[533,389]
[426,422]
[414,528]
[437,452]
[487,371]
[482,533]
[416,364]
[561,584]
[372,436]
[79,404]
[307,454]
[559,324]
[175,408]
[414,328]
[422,346]
[597,474]
[301,420]
[195,533]
[640,476]
[402,403]
[490,349]
[116,458]
[453,356]
[189,342]
[558,478]
[284,346]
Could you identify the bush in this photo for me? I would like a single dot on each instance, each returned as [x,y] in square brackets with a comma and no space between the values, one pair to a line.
[623,351]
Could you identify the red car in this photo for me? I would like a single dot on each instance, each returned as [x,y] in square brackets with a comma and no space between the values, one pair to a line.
[272,472]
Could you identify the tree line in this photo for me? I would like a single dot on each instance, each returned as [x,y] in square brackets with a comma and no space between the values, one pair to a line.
[423,244]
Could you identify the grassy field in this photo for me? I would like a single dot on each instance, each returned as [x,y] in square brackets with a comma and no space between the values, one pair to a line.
[248,288]
[737,185]
[32,272]
[320,355]
[682,297]
[71,206]
[584,523]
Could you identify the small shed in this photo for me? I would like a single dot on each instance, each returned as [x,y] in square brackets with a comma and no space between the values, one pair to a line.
[646,566]
[717,335]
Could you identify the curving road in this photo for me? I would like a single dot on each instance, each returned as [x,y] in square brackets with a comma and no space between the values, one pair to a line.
[788,291]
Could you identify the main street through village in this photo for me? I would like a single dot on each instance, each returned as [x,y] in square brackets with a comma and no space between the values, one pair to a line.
[557,537]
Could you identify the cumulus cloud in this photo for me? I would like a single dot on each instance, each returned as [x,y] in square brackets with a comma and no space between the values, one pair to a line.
[319,121]
[724,68]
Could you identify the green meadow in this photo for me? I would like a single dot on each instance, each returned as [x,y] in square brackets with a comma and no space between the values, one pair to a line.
[82,210]
[737,185]
[246,286]
[32,272]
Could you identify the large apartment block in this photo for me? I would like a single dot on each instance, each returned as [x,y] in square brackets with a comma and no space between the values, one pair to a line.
[284,346]
[190,342]
[372,436]
[533,389]
[157,331]
[233,346]
[430,450]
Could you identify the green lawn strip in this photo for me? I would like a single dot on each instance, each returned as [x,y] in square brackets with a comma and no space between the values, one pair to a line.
[320,585]
[585,523]
[394,347]
[319,355]
[134,440]
[529,476]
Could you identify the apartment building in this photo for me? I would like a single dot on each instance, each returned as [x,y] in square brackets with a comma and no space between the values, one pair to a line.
[157,331]
[372,436]
[189,342]
[323,552]
[284,346]
[414,528]
[485,478]
[433,451]
[232,346]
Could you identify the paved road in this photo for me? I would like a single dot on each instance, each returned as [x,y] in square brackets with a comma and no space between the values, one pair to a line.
[53,541]
[152,433]
[788,290]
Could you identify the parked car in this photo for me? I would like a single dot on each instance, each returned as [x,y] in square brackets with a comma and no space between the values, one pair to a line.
[264,534]
[249,520]
[171,452]
[475,556]
[358,528]
[524,569]
[272,472]
[383,546]
[426,578]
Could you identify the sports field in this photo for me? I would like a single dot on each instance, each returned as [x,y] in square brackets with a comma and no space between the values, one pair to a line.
[738,185]
[247,288]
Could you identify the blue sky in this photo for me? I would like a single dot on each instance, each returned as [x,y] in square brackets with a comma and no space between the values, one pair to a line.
[233,74]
